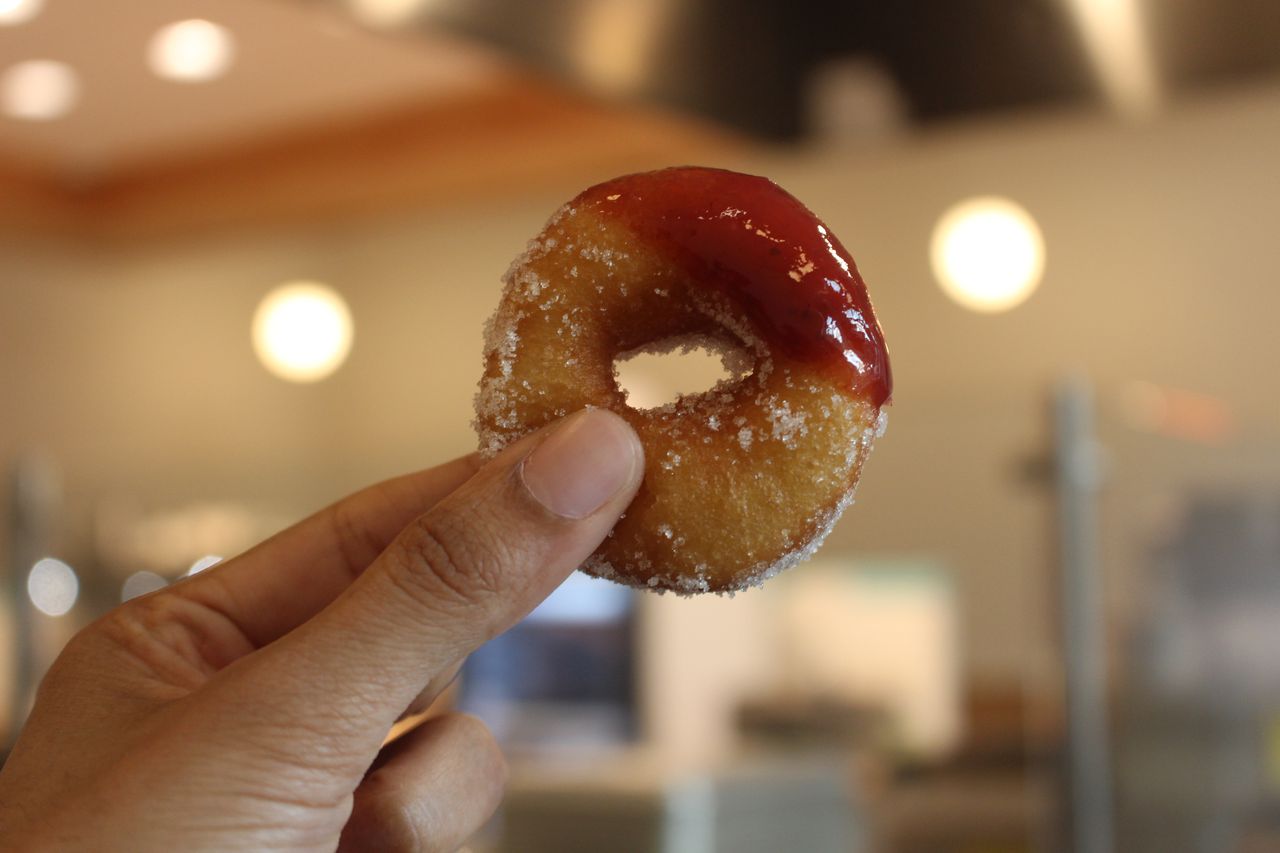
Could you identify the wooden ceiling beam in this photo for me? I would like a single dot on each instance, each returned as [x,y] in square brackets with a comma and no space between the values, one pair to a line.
[32,199]
[519,134]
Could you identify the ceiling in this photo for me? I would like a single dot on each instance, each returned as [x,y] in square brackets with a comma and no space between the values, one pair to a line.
[753,63]
[318,118]
[776,69]
[296,65]
[324,110]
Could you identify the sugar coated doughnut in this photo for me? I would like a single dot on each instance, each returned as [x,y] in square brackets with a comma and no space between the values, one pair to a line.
[745,479]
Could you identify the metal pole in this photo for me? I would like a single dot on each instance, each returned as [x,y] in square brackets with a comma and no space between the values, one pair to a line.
[1087,760]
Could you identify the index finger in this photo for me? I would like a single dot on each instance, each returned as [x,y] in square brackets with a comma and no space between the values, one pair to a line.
[456,576]
[276,586]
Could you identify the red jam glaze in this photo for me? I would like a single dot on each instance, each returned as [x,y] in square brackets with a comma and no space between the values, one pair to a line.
[752,240]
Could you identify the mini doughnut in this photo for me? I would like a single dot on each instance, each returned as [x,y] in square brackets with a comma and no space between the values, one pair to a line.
[745,479]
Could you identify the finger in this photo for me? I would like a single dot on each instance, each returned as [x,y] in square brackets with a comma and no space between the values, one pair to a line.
[270,590]
[455,577]
[429,791]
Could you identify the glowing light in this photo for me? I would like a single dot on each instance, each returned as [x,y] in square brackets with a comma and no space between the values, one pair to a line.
[987,254]
[191,51]
[52,586]
[141,583]
[616,40]
[302,331]
[1115,38]
[203,563]
[386,13]
[39,90]
[13,12]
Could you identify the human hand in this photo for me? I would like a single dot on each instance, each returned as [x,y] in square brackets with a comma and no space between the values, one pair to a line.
[243,707]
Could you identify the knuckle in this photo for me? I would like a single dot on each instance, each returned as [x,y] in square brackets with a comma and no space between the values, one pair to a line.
[383,820]
[136,629]
[163,633]
[102,646]
[145,647]
[399,808]
[440,557]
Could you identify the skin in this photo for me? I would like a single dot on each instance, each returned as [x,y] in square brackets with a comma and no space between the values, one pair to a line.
[246,707]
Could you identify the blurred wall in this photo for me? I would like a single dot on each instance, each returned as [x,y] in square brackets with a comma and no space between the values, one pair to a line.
[131,364]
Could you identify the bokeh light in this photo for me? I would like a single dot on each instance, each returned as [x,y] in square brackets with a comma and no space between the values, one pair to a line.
[193,51]
[386,13]
[302,331]
[987,254]
[14,12]
[39,90]
[53,587]
[614,45]
[206,562]
[141,583]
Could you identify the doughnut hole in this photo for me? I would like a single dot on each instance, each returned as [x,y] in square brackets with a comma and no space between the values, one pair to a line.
[741,480]
[661,373]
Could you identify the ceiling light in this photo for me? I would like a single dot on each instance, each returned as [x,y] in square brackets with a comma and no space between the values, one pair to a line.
[19,11]
[39,90]
[191,51]
[987,254]
[386,13]
[1117,41]
[302,331]
[615,42]
[52,586]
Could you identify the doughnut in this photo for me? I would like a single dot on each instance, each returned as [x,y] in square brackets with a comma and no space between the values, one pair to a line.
[747,478]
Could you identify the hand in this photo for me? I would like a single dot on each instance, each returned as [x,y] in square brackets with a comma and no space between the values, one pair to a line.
[245,708]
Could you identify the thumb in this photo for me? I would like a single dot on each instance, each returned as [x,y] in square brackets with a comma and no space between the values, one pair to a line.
[457,576]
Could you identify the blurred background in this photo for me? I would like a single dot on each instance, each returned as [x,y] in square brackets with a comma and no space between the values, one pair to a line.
[247,248]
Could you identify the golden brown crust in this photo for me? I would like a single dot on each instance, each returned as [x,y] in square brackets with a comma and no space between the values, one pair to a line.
[741,481]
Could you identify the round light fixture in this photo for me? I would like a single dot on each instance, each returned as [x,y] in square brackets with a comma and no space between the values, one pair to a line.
[13,12]
[52,586]
[987,254]
[193,51]
[39,90]
[302,331]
